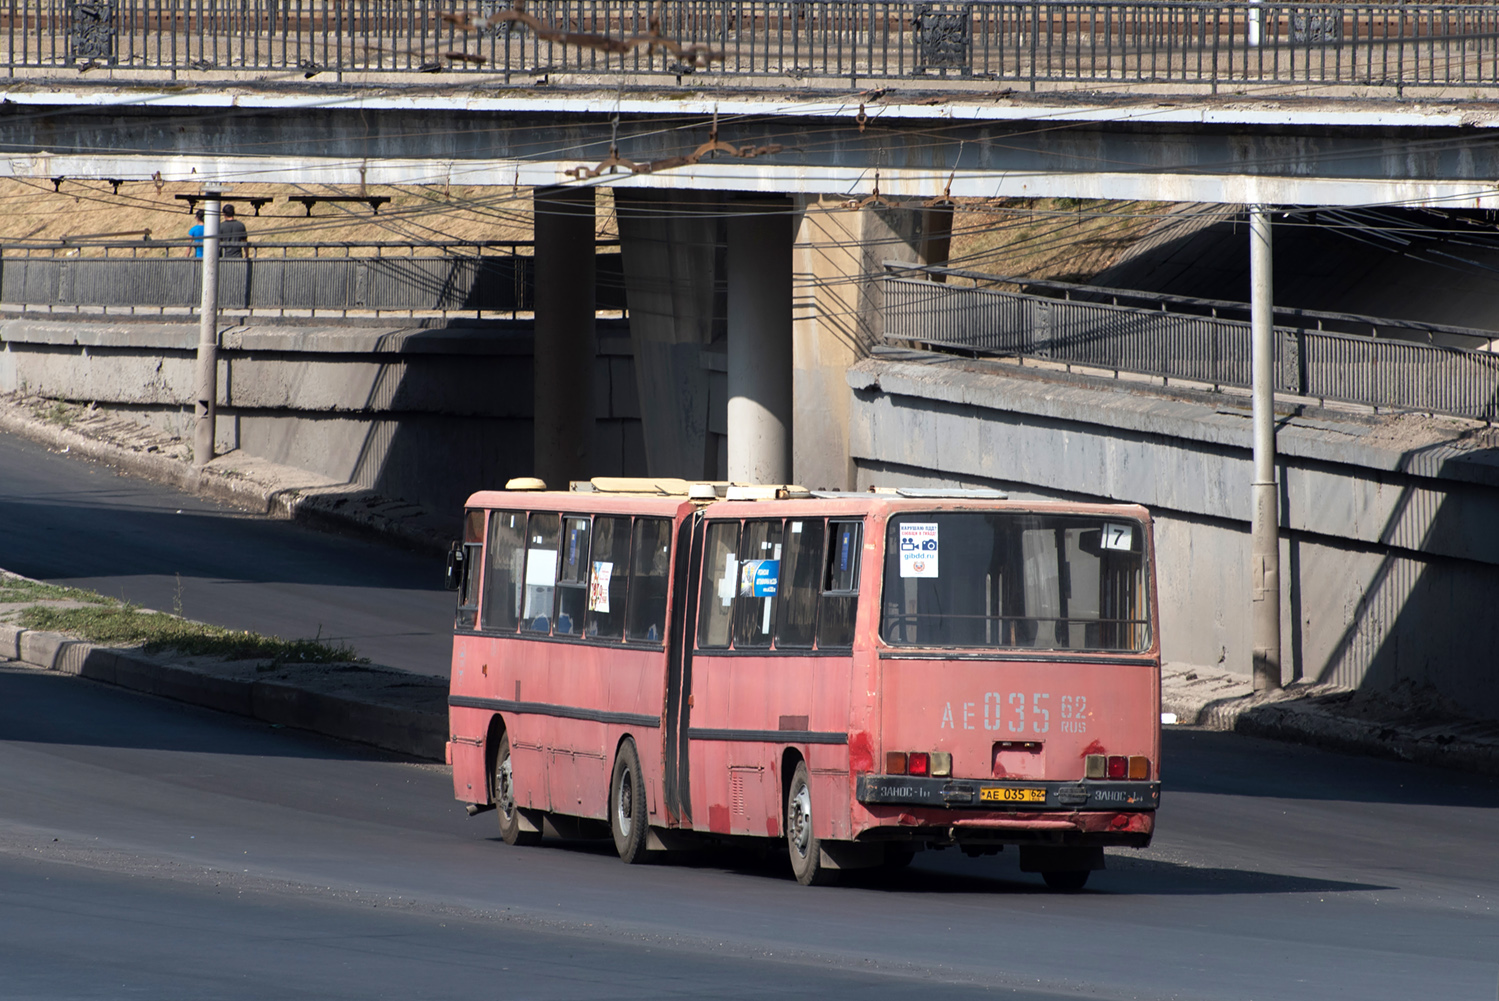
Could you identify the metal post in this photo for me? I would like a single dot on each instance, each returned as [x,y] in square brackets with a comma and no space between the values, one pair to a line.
[208,334]
[1264,547]
[1252,29]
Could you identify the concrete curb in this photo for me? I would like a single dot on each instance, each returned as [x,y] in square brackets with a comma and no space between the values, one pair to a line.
[393,728]
[344,508]
[1329,717]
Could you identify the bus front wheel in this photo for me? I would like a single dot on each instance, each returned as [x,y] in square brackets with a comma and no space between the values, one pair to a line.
[802,845]
[513,831]
[627,812]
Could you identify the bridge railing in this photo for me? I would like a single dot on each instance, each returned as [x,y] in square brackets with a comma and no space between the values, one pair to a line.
[1385,372]
[458,283]
[1055,42]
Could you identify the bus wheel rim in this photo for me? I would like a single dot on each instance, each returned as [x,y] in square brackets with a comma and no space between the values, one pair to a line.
[624,810]
[801,820]
[507,792]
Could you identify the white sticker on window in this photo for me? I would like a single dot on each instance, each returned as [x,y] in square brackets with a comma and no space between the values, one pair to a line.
[541,567]
[727,581]
[598,587]
[796,528]
[1118,536]
[918,549]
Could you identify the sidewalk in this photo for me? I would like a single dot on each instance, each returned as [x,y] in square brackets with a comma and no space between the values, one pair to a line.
[1403,726]
[380,706]
[407,713]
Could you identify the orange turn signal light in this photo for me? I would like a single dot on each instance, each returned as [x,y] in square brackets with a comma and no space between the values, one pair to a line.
[895,762]
[1139,766]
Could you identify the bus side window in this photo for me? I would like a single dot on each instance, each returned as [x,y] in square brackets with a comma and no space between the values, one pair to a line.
[507,556]
[541,572]
[609,577]
[645,619]
[473,569]
[801,583]
[840,594]
[759,579]
[572,577]
[720,579]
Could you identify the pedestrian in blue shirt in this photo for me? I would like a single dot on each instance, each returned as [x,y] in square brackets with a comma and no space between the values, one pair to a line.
[197,235]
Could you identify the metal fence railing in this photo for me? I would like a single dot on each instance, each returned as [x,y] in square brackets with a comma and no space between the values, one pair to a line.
[1373,371]
[481,284]
[1207,45]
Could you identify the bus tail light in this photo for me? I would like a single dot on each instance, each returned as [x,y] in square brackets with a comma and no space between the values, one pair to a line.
[919,763]
[895,762]
[1116,766]
[941,764]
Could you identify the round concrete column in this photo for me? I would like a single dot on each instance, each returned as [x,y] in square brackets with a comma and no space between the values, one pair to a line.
[565,344]
[759,355]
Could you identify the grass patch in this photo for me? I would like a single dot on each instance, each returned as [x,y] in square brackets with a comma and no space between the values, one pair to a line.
[18,589]
[127,625]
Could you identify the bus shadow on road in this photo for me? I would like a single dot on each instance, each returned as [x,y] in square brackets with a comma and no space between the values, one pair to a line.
[1124,876]
[951,873]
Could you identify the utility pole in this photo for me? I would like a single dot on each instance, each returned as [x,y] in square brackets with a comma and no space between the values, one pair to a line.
[1264,547]
[208,334]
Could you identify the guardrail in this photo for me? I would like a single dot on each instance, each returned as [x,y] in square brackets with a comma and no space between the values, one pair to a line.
[1195,45]
[1374,371]
[481,284]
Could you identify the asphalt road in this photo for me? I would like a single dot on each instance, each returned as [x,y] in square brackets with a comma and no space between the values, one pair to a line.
[73,522]
[156,850]
[151,849]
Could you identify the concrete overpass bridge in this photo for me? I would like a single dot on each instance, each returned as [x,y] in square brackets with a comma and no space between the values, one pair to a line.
[766,157]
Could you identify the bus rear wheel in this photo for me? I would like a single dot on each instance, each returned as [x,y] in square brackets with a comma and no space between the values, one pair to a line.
[802,845]
[627,812]
[1067,880]
[512,830]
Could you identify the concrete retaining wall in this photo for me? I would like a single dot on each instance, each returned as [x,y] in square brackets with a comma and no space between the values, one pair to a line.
[1389,557]
[425,414]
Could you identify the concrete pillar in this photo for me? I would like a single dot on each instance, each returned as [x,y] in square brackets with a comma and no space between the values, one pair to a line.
[759,348]
[566,343]
[838,258]
[669,242]
[936,237]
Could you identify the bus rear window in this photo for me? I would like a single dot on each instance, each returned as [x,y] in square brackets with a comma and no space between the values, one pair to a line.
[1017,581]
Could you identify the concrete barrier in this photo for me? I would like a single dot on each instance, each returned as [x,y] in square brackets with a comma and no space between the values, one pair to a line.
[1389,559]
[424,413]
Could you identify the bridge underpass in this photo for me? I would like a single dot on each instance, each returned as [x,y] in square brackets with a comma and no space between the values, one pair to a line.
[705,176]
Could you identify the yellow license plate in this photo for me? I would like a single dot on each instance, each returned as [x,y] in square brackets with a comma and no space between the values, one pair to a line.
[1010,795]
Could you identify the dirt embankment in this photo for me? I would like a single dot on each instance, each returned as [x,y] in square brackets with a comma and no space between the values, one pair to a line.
[1033,238]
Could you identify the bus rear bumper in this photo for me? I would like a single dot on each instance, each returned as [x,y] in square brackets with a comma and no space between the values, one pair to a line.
[950,812]
[1012,797]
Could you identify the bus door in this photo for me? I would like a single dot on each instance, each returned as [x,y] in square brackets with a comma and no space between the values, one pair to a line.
[675,770]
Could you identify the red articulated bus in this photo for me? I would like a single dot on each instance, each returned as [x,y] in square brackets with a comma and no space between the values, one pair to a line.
[861,674]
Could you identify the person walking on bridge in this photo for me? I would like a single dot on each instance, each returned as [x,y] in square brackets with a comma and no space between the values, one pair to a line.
[233,237]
